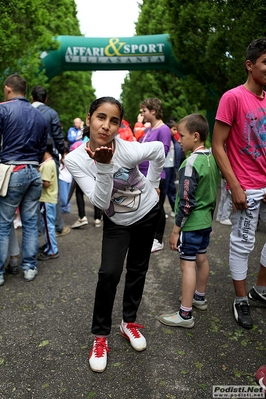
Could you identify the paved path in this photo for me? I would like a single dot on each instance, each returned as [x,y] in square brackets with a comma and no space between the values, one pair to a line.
[45,328]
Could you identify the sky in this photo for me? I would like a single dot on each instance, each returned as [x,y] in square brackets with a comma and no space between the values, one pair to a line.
[107,18]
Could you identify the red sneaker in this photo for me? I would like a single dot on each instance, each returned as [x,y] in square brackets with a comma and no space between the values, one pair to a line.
[131,332]
[98,354]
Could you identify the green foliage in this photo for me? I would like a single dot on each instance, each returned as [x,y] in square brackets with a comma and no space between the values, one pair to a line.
[27,28]
[70,94]
[209,38]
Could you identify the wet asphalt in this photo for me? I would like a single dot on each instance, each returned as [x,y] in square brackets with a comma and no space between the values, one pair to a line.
[45,334]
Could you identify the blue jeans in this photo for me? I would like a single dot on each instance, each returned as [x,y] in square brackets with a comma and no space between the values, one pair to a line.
[24,190]
[48,213]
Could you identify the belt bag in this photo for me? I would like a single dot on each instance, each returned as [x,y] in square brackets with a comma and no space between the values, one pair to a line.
[5,174]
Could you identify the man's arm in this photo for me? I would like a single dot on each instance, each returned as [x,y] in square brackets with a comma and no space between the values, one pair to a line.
[221,132]
[58,137]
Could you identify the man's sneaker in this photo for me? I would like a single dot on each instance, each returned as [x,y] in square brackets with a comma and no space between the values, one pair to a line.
[79,223]
[242,314]
[157,246]
[131,332]
[201,305]
[98,355]
[12,269]
[46,256]
[30,274]
[172,214]
[256,296]
[97,223]
[175,320]
[2,281]
[64,232]
[43,248]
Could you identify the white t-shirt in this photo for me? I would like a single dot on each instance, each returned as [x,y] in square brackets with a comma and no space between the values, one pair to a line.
[119,188]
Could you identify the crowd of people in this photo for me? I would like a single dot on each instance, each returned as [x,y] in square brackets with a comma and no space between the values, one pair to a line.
[127,175]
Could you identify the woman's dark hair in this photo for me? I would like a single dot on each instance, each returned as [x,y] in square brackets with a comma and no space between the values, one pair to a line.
[96,104]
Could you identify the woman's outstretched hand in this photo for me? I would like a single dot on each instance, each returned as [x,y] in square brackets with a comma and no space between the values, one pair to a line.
[101,154]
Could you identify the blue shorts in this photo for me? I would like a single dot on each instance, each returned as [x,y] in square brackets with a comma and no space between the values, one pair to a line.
[191,243]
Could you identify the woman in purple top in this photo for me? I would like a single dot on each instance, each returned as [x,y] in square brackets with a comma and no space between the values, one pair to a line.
[151,110]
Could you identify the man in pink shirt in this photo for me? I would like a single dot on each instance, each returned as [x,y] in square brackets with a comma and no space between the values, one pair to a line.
[241,127]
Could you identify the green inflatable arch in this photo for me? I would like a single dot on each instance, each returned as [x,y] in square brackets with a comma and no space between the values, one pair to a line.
[79,53]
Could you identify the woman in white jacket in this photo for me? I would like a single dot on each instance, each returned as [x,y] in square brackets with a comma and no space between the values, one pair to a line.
[106,169]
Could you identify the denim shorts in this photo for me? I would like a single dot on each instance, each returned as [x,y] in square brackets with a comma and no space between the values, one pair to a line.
[192,243]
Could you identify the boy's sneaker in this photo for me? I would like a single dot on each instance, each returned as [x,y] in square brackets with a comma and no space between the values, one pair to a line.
[256,296]
[30,274]
[2,281]
[157,246]
[45,256]
[12,269]
[79,223]
[175,320]
[131,332]
[201,305]
[98,354]
[242,314]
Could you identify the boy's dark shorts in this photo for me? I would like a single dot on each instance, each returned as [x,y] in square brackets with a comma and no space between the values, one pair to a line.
[192,243]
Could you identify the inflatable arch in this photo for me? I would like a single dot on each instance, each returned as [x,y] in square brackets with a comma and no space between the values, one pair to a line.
[79,53]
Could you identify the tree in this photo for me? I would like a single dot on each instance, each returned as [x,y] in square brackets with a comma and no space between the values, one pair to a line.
[27,28]
[209,38]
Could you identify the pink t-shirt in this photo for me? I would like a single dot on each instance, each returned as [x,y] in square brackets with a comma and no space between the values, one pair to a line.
[246,144]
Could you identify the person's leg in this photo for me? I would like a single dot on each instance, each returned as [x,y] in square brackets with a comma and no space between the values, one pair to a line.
[80,202]
[258,292]
[63,192]
[114,248]
[159,233]
[242,240]
[171,193]
[138,257]
[141,239]
[188,269]
[59,223]
[49,215]
[13,252]
[8,206]
[29,208]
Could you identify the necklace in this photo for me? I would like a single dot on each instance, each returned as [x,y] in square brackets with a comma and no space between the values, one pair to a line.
[154,127]
[150,130]
[207,156]
[201,146]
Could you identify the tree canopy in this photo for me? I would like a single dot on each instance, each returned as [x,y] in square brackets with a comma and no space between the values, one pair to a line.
[27,28]
[209,38]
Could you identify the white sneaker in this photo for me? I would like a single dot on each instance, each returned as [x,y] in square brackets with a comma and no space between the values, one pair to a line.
[172,214]
[79,223]
[30,274]
[227,222]
[157,246]
[97,223]
[175,320]
[131,332]
[2,279]
[98,354]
